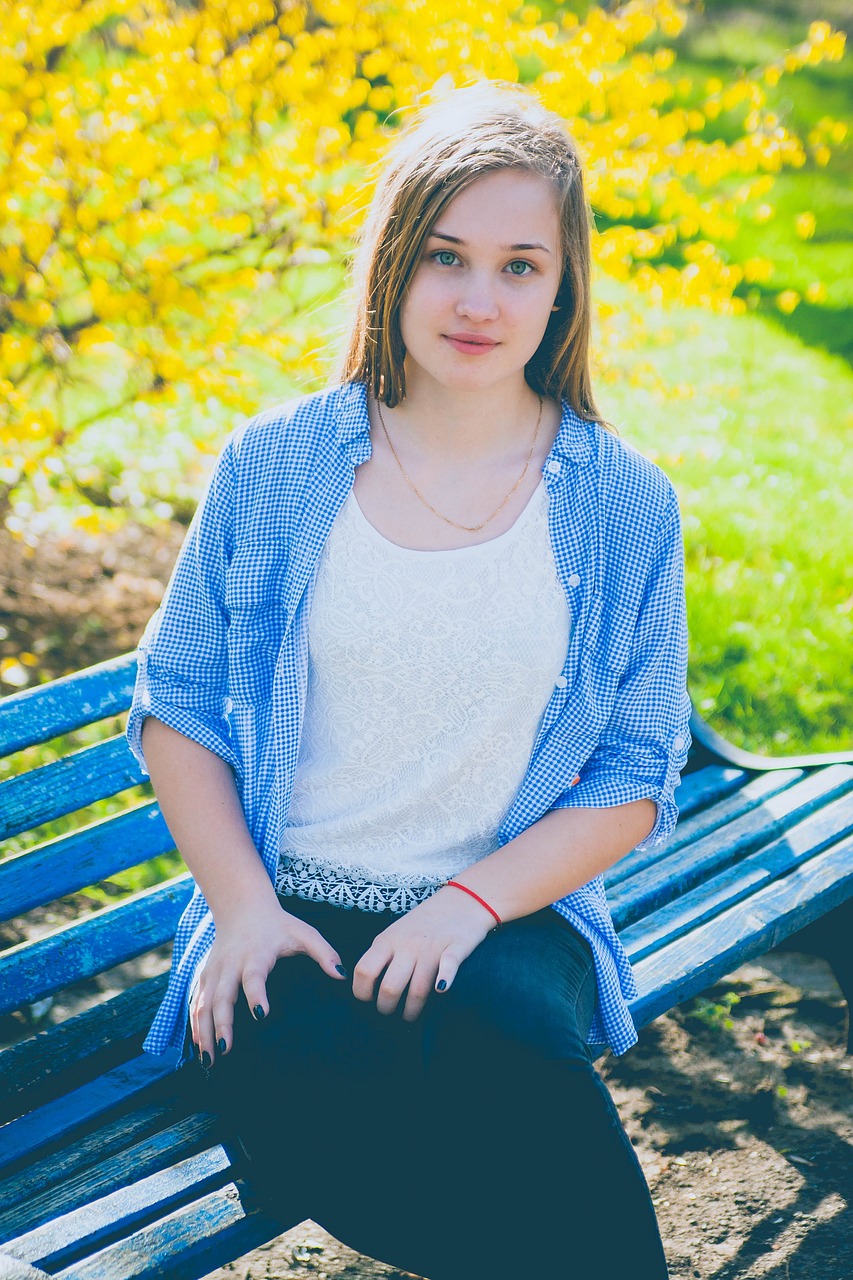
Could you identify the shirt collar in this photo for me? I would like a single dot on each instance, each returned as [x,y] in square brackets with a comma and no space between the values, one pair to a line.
[352,425]
[573,440]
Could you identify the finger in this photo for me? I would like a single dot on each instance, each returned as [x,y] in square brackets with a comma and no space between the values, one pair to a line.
[448,967]
[392,986]
[316,946]
[209,1034]
[221,1003]
[254,984]
[203,1026]
[419,988]
[367,970]
[223,1025]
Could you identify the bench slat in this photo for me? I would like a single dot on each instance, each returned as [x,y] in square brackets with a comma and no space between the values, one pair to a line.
[704,787]
[718,814]
[114,1215]
[45,1222]
[85,1045]
[75,861]
[680,869]
[187,1244]
[33,970]
[55,1121]
[708,900]
[37,715]
[72,1163]
[85,857]
[13,1269]
[693,962]
[89,775]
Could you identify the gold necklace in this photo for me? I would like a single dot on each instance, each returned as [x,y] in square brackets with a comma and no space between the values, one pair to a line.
[468,528]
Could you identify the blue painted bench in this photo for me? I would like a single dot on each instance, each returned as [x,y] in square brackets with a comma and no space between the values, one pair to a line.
[109,1168]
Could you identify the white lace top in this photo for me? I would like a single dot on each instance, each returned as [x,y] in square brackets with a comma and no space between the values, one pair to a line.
[429,672]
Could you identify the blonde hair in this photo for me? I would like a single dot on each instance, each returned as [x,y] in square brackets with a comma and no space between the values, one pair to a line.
[472,132]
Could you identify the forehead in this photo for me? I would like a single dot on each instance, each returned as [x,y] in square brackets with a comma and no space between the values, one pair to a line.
[513,204]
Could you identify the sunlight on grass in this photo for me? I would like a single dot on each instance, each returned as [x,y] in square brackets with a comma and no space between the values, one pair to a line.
[752,427]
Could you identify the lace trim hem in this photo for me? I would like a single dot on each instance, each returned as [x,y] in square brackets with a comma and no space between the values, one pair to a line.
[345,887]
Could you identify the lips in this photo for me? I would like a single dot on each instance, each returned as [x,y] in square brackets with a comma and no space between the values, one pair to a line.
[471,343]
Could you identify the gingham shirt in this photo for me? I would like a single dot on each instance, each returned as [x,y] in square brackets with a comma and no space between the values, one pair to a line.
[225,658]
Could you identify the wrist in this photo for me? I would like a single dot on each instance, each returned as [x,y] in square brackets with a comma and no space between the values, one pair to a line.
[476,897]
[251,903]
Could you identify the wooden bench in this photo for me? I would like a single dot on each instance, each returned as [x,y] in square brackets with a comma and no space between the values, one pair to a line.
[108,1168]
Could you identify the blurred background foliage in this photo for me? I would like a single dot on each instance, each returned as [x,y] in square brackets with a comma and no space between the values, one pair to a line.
[180,184]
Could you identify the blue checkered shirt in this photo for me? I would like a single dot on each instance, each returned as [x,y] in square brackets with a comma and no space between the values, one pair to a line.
[225,658]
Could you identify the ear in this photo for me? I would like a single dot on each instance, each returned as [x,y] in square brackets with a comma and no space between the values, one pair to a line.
[555,308]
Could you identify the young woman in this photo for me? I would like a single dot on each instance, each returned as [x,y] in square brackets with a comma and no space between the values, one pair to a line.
[417,682]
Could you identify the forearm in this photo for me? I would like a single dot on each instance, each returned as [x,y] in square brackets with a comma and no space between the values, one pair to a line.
[198,798]
[556,855]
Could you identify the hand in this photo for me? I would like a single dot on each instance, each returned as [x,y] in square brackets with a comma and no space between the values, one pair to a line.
[244,953]
[424,947]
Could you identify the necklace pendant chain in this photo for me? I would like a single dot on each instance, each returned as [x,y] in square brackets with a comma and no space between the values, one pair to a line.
[466,528]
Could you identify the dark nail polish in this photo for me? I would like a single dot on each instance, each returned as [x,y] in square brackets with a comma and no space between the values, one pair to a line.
[205,1059]
[441,985]
[258,1013]
[220,1044]
[341,970]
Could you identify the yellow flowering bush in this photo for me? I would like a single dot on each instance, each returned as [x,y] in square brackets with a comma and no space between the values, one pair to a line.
[180,180]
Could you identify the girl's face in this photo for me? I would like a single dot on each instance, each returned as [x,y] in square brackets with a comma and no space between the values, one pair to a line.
[481,297]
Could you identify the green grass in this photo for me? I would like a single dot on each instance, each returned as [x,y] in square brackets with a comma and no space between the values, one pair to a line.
[758,452]
[756,444]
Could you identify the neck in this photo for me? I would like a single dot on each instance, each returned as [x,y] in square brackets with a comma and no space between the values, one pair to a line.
[464,424]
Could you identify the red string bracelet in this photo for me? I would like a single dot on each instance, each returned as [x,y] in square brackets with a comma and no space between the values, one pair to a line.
[454,884]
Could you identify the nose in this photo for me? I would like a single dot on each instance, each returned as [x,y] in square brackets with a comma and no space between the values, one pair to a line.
[477,299]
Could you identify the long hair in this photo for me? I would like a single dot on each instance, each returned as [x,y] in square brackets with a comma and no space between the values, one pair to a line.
[471,132]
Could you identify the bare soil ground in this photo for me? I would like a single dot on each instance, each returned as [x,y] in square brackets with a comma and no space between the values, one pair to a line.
[740,1109]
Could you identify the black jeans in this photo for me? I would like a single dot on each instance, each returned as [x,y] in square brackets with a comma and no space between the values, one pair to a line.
[477,1141]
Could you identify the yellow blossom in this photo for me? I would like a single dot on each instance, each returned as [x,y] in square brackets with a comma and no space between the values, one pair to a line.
[757,270]
[157,201]
[805,224]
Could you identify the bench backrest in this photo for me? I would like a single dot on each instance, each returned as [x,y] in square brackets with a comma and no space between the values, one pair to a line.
[67,792]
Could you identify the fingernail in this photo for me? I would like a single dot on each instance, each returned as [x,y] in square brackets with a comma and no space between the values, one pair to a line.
[258,1013]
[220,1044]
[341,970]
[441,985]
[205,1059]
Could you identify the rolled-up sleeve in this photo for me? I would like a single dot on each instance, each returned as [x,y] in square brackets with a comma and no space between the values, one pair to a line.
[644,745]
[182,676]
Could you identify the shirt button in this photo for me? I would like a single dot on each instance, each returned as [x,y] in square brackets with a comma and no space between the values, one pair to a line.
[553,466]
[561,682]
[678,742]
[574,580]
[229,706]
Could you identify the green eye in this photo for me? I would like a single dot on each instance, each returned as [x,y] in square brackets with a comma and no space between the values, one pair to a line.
[445,257]
[519,267]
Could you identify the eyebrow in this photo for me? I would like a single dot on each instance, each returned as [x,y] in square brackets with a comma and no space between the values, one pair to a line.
[507,248]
